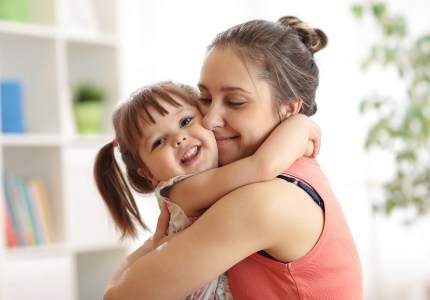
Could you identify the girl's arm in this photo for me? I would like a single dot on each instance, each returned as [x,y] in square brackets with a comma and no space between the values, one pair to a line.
[295,137]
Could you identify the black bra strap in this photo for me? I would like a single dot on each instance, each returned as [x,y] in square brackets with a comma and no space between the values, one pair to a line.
[311,192]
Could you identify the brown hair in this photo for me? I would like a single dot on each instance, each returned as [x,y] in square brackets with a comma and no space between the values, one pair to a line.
[128,118]
[284,52]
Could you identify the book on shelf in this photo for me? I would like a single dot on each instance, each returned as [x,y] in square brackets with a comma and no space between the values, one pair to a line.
[42,208]
[11,236]
[12,112]
[13,208]
[16,186]
[32,215]
[29,209]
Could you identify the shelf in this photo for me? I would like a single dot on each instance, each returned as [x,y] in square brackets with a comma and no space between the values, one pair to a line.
[28,30]
[47,56]
[35,251]
[92,39]
[43,277]
[92,281]
[49,32]
[31,140]
[38,73]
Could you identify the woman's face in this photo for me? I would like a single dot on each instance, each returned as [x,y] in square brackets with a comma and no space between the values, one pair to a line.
[236,106]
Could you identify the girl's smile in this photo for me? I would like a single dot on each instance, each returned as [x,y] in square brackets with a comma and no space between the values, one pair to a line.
[191,155]
[176,143]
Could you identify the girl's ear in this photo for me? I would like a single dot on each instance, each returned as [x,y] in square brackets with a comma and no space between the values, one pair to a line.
[291,109]
[143,172]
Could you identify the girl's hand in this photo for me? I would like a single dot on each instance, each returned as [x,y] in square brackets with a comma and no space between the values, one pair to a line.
[314,144]
[160,236]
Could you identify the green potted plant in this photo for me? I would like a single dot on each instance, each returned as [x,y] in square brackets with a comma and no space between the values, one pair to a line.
[14,10]
[401,124]
[88,99]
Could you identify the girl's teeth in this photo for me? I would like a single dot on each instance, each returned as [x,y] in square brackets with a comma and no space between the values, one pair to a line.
[189,154]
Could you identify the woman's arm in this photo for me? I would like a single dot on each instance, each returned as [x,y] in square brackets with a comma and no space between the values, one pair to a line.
[295,137]
[241,223]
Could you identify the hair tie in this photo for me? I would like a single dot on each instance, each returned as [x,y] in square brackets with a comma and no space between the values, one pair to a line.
[114,143]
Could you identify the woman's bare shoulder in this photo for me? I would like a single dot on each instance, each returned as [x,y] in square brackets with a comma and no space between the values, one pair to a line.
[261,205]
[262,195]
[281,217]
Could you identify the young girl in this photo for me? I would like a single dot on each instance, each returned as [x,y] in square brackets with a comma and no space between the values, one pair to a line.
[162,141]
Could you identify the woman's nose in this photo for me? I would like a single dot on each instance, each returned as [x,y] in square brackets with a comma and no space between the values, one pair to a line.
[213,118]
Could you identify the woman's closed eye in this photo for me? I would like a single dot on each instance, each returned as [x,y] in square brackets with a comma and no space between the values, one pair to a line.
[236,103]
[231,103]
[205,101]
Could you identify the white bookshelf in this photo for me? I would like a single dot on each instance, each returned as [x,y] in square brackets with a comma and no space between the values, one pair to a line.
[49,55]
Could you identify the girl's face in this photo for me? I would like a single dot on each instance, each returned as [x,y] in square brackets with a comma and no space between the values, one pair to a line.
[176,144]
[236,106]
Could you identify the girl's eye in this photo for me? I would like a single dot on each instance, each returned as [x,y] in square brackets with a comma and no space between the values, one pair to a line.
[157,143]
[185,121]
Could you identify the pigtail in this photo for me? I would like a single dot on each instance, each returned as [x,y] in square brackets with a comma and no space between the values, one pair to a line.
[116,193]
[314,39]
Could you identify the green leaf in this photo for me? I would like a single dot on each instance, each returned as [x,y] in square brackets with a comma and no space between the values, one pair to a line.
[401,126]
[378,9]
[357,10]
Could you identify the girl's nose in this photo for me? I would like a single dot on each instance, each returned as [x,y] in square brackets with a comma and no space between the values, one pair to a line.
[180,140]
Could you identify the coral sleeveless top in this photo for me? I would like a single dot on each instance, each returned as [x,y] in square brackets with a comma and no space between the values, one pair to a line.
[331,270]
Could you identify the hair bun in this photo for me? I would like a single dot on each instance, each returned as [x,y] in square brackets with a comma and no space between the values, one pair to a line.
[313,38]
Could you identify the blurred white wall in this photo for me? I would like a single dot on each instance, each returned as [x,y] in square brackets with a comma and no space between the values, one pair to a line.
[167,40]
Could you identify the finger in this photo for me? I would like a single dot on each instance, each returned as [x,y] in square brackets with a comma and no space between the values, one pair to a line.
[162,223]
[319,143]
[317,147]
[310,149]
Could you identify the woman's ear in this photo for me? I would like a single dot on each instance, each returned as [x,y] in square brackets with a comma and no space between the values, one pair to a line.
[290,109]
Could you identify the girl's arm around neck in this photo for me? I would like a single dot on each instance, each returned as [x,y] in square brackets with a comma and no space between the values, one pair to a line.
[293,138]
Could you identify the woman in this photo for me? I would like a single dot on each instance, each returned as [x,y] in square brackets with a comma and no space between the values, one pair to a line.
[282,239]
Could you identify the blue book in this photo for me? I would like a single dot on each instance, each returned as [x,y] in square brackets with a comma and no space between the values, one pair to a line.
[12,117]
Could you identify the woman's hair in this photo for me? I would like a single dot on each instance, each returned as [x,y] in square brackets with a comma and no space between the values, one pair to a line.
[284,53]
[128,118]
